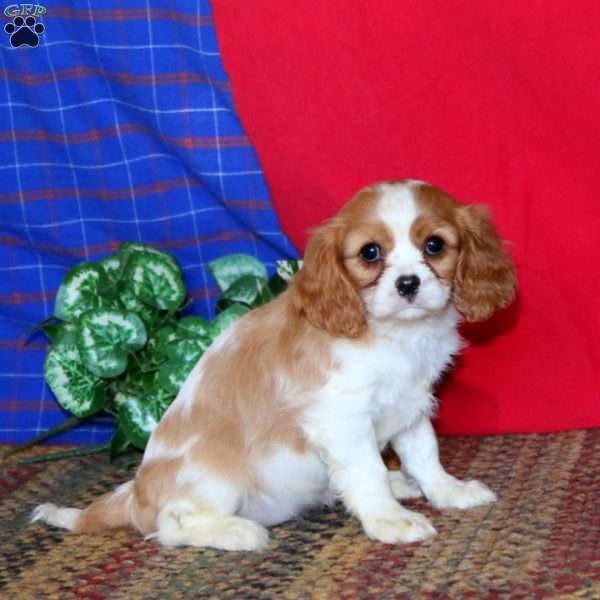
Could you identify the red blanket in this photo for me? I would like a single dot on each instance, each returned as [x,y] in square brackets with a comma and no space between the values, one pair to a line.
[496,102]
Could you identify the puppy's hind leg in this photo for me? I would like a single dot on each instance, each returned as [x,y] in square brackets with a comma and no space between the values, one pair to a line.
[184,523]
[205,514]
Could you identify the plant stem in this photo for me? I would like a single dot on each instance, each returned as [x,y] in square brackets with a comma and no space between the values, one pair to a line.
[64,426]
[64,454]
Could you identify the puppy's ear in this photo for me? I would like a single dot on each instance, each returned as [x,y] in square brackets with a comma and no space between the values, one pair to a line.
[485,278]
[322,290]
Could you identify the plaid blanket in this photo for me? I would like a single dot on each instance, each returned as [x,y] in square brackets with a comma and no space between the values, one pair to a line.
[117,123]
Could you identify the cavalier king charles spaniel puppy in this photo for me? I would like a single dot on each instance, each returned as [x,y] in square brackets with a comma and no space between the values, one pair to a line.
[293,404]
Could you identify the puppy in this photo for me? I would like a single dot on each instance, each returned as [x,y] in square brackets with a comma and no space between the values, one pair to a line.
[292,405]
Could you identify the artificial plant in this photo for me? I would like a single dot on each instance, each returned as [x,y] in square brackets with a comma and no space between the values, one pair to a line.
[119,344]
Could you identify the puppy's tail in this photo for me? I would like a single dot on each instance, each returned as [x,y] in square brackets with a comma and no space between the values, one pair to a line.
[106,512]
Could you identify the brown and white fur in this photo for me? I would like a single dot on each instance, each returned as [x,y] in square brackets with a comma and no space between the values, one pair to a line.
[292,405]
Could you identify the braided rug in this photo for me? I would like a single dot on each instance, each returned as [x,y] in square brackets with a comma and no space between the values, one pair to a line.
[542,539]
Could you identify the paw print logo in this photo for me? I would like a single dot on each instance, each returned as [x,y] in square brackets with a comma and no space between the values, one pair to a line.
[24,32]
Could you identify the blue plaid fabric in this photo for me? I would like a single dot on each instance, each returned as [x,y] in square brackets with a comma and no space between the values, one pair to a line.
[118,126]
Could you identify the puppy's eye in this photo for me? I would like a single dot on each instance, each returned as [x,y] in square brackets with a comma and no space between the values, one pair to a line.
[434,245]
[370,253]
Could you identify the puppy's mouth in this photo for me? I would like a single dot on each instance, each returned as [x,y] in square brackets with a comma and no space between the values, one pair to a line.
[423,303]
[410,298]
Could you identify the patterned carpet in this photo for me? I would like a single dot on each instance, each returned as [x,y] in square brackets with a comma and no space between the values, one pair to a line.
[542,540]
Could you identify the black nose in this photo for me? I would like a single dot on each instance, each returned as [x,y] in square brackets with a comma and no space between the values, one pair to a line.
[407,285]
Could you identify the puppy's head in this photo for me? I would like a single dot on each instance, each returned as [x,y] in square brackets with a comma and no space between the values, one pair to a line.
[402,251]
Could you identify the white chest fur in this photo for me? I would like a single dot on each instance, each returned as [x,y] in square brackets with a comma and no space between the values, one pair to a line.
[388,381]
[410,362]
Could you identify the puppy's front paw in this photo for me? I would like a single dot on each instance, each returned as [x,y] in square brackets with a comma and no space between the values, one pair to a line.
[454,493]
[402,528]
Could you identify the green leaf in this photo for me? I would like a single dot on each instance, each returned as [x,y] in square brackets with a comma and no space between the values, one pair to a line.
[105,337]
[121,397]
[163,398]
[136,384]
[228,317]
[148,359]
[155,353]
[172,375]
[166,334]
[118,444]
[81,290]
[188,350]
[286,269]
[266,295]
[50,321]
[132,303]
[195,327]
[147,381]
[230,268]
[161,341]
[183,356]
[60,333]
[277,284]
[129,249]
[249,290]
[76,389]
[137,419]
[155,281]
[112,267]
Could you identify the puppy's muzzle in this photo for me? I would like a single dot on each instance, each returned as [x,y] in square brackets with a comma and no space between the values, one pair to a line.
[408,286]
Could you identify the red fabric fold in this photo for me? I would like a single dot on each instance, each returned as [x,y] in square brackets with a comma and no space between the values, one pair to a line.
[495,102]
